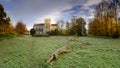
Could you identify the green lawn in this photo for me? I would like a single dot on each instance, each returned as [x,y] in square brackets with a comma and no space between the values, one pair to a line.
[31,52]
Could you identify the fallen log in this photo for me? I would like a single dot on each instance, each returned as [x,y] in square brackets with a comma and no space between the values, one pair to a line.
[59,51]
[63,49]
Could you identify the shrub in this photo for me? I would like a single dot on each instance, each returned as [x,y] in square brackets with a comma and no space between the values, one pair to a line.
[32,31]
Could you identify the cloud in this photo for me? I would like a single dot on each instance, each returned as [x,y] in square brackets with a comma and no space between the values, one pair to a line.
[92,2]
[53,16]
[85,10]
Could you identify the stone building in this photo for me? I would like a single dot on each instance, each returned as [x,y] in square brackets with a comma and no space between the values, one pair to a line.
[44,28]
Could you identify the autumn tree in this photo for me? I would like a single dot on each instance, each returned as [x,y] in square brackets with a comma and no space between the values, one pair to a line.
[60,29]
[105,22]
[101,13]
[6,27]
[72,24]
[20,28]
[76,26]
[68,27]
[60,24]
[115,5]
[98,27]
[119,25]
[80,26]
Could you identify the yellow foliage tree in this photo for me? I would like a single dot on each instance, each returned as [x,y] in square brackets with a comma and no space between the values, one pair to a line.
[103,27]
[6,27]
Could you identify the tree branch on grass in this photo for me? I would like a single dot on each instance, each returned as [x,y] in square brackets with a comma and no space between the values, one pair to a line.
[61,50]
[57,52]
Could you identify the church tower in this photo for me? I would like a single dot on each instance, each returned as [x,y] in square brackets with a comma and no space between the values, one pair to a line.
[47,22]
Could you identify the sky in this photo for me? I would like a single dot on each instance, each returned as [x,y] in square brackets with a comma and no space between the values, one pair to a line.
[35,11]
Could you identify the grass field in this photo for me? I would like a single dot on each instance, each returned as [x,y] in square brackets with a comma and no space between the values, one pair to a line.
[31,52]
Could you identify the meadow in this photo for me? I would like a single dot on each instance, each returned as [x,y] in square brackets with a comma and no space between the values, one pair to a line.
[32,52]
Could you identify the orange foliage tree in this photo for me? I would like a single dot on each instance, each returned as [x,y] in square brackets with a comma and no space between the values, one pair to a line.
[20,28]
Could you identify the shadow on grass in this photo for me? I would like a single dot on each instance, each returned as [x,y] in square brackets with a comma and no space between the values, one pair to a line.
[1,39]
[7,37]
[104,37]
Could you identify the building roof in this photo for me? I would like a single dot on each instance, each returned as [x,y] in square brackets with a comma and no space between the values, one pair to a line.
[41,24]
[53,24]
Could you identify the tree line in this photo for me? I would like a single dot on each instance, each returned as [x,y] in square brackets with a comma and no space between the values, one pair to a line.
[106,21]
[6,27]
[74,27]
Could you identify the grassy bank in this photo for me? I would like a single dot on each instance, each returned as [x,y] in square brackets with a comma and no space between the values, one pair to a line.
[31,52]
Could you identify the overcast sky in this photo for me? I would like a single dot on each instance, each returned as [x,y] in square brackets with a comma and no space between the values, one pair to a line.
[34,11]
